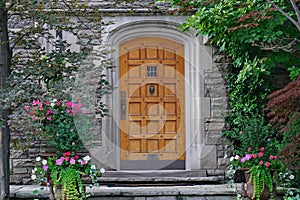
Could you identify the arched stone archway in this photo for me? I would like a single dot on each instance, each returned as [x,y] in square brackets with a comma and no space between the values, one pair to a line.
[198,64]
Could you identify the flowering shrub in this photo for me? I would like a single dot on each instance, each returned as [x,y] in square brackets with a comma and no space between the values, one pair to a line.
[63,172]
[255,146]
[255,157]
[259,165]
[56,121]
[66,171]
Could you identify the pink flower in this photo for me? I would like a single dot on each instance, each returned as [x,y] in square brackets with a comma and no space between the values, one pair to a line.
[249,149]
[243,159]
[248,156]
[48,118]
[49,112]
[72,161]
[68,153]
[35,102]
[261,162]
[45,167]
[82,162]
[73,143]
[69,104]
[275,157]
[262,149]
[67,159]
[47,103]
[27,108]
[60,161]
[267,164]
[241,132]
[76,156]
[254,156]
[271,157]
[260,154]
[58,103]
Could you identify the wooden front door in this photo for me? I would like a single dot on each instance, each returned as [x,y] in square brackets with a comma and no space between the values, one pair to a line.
[152,131]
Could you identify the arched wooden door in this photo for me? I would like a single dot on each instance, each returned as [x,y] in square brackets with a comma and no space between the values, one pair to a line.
[152,114]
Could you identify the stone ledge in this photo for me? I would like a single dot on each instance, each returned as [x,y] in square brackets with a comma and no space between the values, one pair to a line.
[26,191]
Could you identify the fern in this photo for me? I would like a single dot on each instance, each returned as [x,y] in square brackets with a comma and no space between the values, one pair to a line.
[70,182]
[260,177]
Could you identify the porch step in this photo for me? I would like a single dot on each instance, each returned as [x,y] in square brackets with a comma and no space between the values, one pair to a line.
[159,177]
[196,192]
[156,173]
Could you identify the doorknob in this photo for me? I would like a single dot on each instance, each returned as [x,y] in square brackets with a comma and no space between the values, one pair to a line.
[151,89]
[123,105]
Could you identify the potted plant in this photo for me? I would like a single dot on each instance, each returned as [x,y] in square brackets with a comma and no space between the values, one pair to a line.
[255,147]
[64,170]
[64,175]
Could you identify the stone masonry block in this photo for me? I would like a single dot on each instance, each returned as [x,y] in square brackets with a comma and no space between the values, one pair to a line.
[214,126]
[213,138]
[23,163]
[208,157]
[20,170]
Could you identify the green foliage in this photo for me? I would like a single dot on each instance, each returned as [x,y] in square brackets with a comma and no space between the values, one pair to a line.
[294,72]
[64,174]
[261,178]
[42,64]
[289,180]
[254,133]
[249,32]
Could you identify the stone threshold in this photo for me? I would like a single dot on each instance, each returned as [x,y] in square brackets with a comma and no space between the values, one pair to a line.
[159,176]
[26,191]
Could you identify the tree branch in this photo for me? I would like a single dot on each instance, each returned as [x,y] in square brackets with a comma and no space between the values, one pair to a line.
[286,14]
[296,9]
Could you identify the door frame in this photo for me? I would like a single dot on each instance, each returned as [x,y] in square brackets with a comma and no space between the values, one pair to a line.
[194,86]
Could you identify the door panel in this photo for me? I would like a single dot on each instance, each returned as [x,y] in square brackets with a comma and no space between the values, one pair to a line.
[152,104]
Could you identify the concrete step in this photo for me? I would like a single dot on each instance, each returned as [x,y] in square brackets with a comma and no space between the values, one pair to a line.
[159,177]
[194,192]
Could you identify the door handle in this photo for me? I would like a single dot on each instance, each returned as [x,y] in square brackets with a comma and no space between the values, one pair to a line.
[123,105]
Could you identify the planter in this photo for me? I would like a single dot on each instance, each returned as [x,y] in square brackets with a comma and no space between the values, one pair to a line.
[248,188]
[56,193]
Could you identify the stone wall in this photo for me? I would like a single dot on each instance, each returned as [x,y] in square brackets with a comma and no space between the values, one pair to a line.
[22,161]
[215,87]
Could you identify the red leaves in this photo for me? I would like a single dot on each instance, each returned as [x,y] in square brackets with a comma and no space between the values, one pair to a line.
[284,104]
[253,19]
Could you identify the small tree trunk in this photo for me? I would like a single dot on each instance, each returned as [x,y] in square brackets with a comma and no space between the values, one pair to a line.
[5,61]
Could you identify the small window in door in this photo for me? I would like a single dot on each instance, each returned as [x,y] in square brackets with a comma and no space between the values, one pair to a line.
[151,71]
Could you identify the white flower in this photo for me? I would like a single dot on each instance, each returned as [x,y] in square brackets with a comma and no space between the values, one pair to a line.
[86,158]
[32,171]
[35,169]
[231,158]
[102,170]
[33,177]
[291,176]
[237,157]
[44,162]
[225,156]
[52,104]
[54,100]
[93,167]
[38,159]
